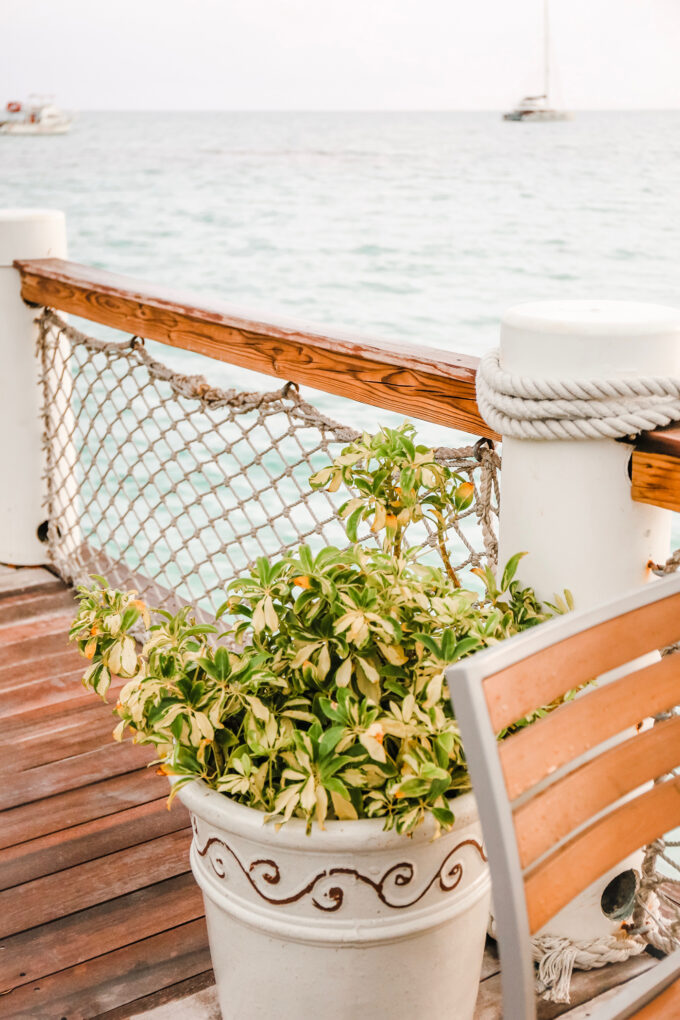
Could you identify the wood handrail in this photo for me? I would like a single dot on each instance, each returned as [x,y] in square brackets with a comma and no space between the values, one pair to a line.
[426,383]
[655,466]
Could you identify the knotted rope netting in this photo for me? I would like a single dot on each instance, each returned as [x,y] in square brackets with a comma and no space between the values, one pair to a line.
[165,483]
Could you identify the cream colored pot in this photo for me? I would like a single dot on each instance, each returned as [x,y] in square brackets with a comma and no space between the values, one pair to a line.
[346,920]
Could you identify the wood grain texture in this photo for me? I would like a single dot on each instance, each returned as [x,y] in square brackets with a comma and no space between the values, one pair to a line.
[656,479]
[198,989]
[556,880]
[537,751]
[105,982]
[30,606]
[548,817]
[70,940]
[514,692]
[80,770]
[98,907]
[86,730]
[587,986]
[97,881]
[67,848]
[665,440]
[427,383]
[19,580]
[28,822]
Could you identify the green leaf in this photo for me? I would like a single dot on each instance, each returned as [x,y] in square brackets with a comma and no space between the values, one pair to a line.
[330,739]
[510,570]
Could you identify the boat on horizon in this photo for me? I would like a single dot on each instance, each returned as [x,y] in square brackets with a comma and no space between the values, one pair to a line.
[38,116]
[538,108]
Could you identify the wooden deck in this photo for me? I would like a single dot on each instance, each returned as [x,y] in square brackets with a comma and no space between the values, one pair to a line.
[99,913]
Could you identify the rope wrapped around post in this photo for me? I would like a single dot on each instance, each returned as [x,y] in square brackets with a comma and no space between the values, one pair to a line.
[527,408]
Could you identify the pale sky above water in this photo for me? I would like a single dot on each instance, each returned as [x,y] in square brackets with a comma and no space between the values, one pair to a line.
[350,55]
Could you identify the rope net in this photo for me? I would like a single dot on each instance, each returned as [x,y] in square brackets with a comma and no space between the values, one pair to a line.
[167,484]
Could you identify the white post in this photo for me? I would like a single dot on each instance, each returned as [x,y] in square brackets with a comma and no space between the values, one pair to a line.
[568,503]
[24,234]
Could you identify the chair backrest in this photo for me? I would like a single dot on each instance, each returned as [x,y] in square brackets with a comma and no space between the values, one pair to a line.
[554,824]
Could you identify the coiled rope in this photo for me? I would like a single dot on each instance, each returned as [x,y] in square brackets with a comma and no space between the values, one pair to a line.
[522,407]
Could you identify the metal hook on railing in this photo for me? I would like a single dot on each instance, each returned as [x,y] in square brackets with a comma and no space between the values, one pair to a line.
[135,342]
[285,392]
[484,443]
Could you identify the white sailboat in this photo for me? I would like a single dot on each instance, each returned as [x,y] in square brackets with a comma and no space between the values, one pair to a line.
[538,108]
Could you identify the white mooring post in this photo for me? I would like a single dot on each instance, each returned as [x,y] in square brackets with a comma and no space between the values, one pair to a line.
[24,234]
[568,502]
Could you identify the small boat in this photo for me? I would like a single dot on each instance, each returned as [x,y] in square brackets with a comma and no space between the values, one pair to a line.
[538,108]
[38,116]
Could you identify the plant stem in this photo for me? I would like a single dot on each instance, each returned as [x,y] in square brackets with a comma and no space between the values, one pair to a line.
[443,552]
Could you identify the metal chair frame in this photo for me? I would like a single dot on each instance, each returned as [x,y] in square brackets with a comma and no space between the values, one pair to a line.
[465,682]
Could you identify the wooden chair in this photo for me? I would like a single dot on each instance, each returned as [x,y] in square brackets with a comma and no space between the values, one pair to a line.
[554,824]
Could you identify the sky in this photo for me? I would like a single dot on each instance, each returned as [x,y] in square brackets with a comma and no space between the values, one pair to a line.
[330,55]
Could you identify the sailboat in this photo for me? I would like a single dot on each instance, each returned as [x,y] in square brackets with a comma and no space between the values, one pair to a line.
[538,107]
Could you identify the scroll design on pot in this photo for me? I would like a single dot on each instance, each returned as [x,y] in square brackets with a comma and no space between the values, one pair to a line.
[448,876]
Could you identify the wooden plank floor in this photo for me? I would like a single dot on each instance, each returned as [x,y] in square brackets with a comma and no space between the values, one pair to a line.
[99,913]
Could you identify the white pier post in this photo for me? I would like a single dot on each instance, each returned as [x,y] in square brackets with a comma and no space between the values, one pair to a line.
[568,503]
[24,234]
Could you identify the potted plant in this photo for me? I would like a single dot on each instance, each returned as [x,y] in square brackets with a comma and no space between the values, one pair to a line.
[335,838]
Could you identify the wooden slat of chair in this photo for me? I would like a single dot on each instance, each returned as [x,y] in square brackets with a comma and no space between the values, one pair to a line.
[556,880]
[537,751]
[514,692]
[551,815]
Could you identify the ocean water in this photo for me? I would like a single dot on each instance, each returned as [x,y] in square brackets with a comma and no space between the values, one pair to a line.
[413,226]
[416,226]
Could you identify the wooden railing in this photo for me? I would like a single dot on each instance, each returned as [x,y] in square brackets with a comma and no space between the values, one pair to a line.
[427,383]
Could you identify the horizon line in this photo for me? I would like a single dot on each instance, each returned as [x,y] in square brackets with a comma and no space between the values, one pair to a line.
[338,109]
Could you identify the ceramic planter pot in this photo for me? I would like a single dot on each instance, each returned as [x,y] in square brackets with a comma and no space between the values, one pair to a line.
[343,920]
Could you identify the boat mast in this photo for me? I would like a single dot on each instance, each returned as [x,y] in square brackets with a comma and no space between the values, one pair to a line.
[546,52]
